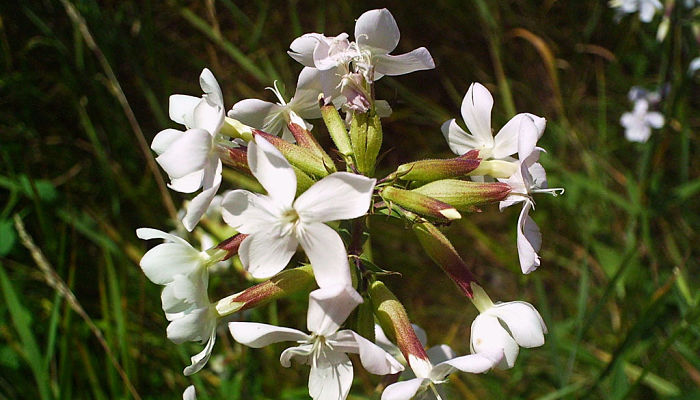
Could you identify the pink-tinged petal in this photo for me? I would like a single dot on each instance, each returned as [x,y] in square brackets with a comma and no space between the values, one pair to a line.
[265,253]
[330,377]
[338,196]
[404,390]
[165,261]
[476,111]
[248,212]
[299,354]
[440,353]
[377,29]
[473,363]
[488,336]
[460,142]
[189,393]
[273,171]
[200,359]
[189,183]
[303,48]
[327,254]
[256,335]
[211,88]
[523,321]
[373,358]
[200,203]
[181,107]
[254,112]
[329,307]
[164,139]
[529,241]
[655,119]
[187,154]
[416,60]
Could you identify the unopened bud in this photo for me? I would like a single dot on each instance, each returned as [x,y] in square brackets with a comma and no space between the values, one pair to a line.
[465,195]
[435,169]
[307,140]
[302,158]
[496,168]
[304,181]
[394,321]
[441,251]
[358,139]
[373,141]
[420,204]
[231,245]
[235,157]
[236,129]
[336,129]
[283,284]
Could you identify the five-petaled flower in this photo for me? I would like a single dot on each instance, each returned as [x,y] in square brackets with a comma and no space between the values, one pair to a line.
[639,122]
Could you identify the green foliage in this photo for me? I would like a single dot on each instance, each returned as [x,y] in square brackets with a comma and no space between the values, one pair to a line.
[618,285]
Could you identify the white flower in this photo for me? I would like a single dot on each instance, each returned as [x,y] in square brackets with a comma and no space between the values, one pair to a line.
[189,158]
[190,393]
[325,348]
[530,178]
[476,112]
[277,223]
[273,118]
[505,326]
[694,66]
[183,271]
[639,122]
[646,8]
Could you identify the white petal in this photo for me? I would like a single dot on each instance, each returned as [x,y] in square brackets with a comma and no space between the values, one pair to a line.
[303,48]
[330,377]
[440,353]
[460,142]
[639,133]
[211,88]
[382,108]
[164,139]
[187,154]
[403,390]
[473,363]
[340,195]
[266,253]
[150,233]
[327,254]
[192,325]
[529,241]
[373,358]
[254,112]
[181,108]
[299,354]
[186,293]
[488,336]
[377,29]
[416,60]
[249,212]
[189,393]
[273,171]
[476,111]
[258,335]
[655,119]
[527,138]
[199,205]
[506,141]
[208,117]
[329,307]
[200,359]
[163,262]
[305,100]
[189,183]
[523,321]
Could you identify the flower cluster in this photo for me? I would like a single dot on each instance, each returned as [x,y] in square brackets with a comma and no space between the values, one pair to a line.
[310,196]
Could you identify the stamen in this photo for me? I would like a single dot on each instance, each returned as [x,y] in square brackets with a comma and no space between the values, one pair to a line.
[277,93]
[553,191]
[435,392]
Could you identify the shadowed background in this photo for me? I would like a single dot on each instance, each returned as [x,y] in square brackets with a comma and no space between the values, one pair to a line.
[84,87]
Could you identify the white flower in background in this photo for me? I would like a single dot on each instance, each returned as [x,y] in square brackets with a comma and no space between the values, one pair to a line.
[189,158]
[473,363]
[639,122]
[476,112]
[326,348]
[183,271]
[190,393]
[530,178]
[646,8]
[278,224]
[273,118]
[505,326]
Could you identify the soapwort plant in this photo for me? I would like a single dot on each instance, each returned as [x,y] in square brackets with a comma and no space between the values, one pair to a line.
[311,194]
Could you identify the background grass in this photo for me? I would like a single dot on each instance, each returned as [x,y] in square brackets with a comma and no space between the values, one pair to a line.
[618,286]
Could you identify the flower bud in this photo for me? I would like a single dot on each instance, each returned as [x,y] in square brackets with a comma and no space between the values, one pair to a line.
[465,195]
[302,158]
[496,169]
[235,157]
[394,321]
[441,251]
[231,245]
[374,141]
[307,140]
[420,204]
[358,139]
[435,169]
[283,284]
[336,128]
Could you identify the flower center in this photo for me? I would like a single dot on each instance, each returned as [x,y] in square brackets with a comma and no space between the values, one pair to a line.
[289,221]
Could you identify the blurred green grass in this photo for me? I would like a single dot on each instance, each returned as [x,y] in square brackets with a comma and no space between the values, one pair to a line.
[618,286]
